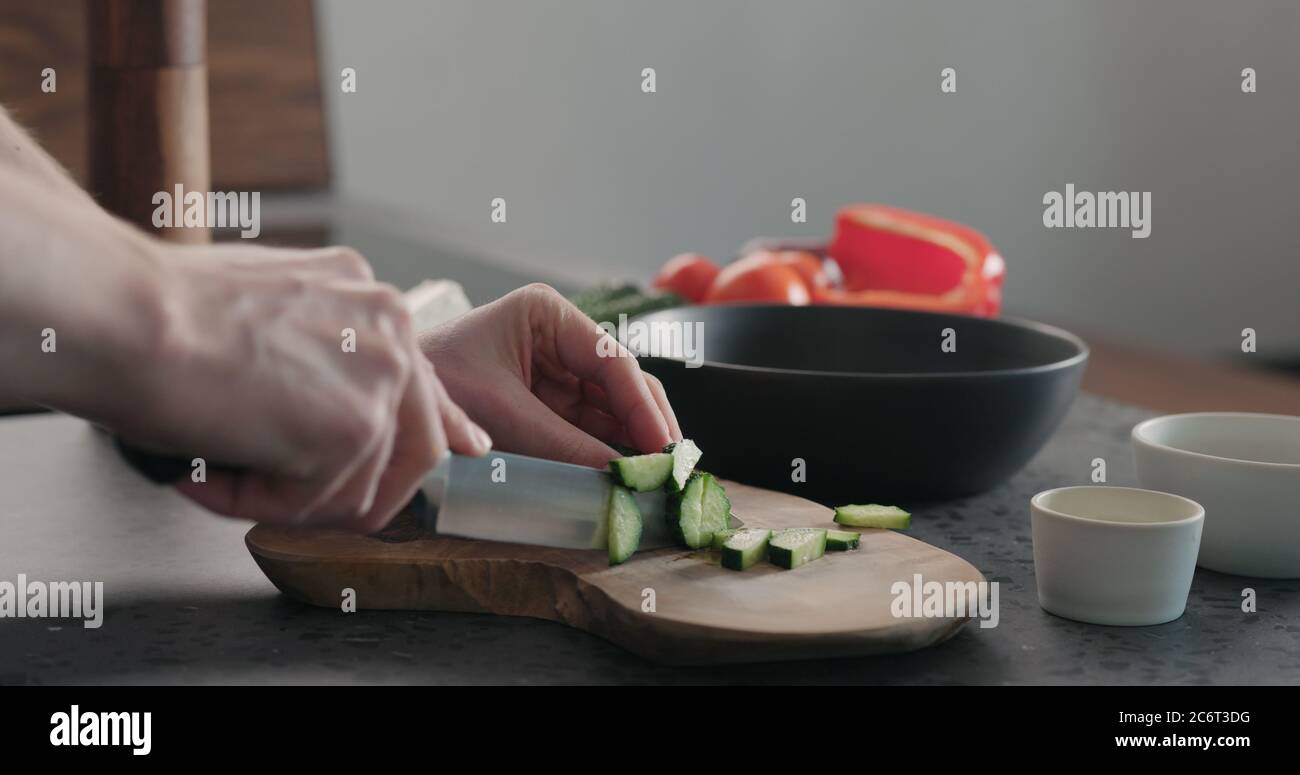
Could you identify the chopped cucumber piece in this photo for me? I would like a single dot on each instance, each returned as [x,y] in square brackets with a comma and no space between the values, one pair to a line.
[745,548]
[642,472]
[685,456]
[721,536]
[841,540]
[716,505]
[624,520]
[686,514]
[796,546]
[873,515]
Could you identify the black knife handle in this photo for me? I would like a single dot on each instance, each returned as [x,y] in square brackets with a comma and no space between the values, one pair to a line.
[159,469]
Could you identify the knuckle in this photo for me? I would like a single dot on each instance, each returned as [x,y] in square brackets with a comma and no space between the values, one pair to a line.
[434,452]
[390,363]
[540,291]
[358,429]
[389,303]
[352,262]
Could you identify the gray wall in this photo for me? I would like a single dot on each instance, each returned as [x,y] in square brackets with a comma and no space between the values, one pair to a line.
[758,102]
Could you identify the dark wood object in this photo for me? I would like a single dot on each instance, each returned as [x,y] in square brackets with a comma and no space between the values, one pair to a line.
[148,107]
[261,60]
[1171,382]
[837,606]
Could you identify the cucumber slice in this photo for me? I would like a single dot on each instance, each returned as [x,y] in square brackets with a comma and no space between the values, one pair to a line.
[716,506]
[685,456]
[624,519]
[686,514]
[745,548]
[720,537]
[796,546]
[842,540]
[642,472]
[873,515]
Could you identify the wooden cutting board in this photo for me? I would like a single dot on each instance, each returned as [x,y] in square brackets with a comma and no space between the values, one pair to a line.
[701,613]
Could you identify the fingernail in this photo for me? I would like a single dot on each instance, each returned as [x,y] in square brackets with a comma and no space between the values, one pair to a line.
[369,502]
[483,439]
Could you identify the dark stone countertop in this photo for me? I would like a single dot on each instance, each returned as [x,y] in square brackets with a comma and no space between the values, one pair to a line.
[187,604]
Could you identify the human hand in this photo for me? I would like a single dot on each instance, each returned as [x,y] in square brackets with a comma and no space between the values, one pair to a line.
[527,367]
[251,371]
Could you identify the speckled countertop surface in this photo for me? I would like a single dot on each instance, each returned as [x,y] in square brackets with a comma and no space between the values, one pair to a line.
[186,603]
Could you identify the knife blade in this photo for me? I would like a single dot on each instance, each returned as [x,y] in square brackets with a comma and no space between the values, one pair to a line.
[528,500]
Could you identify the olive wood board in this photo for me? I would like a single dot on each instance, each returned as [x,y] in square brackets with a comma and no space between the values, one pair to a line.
[673,606]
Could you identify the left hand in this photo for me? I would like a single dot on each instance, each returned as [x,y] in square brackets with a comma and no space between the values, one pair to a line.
[528,369]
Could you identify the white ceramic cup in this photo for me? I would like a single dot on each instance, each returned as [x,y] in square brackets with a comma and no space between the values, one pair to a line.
[1114,555]
[1245,470]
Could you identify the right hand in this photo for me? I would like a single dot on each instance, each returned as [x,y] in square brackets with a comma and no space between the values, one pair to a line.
[249,371]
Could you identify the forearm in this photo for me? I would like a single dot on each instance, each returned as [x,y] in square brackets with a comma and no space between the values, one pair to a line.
[78,301]
[21,154]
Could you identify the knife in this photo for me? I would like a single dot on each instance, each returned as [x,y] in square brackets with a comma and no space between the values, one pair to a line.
[498,497]
[528,500]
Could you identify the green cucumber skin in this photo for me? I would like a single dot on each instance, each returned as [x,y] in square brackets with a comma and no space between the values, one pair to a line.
[720,537]
[741,558]
[842,540]
[892,517]
[686,512]
[642,473]
[802,554]
[624,525]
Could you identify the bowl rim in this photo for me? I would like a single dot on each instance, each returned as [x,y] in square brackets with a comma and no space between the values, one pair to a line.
[1140,440]
[1044,329]
[1036,503]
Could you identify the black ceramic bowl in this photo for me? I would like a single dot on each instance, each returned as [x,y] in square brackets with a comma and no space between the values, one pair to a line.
[867,398]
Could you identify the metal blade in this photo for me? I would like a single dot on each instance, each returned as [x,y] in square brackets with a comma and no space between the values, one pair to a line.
[526,500]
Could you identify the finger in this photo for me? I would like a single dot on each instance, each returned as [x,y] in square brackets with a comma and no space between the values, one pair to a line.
[588,352]
[269,499]
[421,443]
[568,402]
[279,498]
[661,398]
[356,497]
[540,432]
[463,434]
[362,475]
[340,262]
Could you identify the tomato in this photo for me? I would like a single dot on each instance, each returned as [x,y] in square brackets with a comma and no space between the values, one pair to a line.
[810,266]
[759,277]
[689,275]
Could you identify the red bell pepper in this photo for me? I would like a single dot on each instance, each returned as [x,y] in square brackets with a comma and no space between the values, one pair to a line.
[890,257]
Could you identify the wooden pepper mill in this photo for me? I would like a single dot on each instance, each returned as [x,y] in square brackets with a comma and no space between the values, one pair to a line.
[148,122]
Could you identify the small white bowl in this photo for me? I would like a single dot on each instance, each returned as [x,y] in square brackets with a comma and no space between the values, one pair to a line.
[1114,555]
[1245,469]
